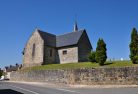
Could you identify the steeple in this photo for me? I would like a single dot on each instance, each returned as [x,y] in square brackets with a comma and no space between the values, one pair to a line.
[75,27]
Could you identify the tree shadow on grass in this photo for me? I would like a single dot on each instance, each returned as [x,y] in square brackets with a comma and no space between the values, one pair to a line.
[9,91]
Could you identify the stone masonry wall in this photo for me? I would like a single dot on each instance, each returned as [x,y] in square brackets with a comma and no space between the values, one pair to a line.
[84,48]
[37,59]
[47,58]
[86,76]
[70,57]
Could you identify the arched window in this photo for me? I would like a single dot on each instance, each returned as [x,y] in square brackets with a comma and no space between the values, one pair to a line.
[33,50]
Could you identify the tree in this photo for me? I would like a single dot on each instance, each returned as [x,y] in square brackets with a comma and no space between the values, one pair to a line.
[134,46]
[1,72]
[101,55]
[92,56]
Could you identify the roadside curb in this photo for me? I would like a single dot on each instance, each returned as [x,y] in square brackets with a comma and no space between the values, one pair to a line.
[44,84]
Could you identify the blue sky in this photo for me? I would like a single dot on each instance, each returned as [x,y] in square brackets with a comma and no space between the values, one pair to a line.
[111,20]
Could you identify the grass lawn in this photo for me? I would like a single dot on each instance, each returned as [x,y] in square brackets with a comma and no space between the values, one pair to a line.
[82,65]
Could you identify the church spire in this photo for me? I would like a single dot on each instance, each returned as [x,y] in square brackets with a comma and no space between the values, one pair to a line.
[75,27]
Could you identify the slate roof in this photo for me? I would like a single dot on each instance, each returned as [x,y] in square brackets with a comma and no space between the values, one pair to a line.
[68,39]
[49,39]
[61,40]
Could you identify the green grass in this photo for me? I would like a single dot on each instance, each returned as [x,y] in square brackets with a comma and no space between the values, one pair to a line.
[82,65]
[120,64]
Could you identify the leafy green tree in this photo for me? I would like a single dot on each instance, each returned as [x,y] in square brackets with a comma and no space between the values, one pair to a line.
[92,56]
[1,72]
[101,55]
[134,46]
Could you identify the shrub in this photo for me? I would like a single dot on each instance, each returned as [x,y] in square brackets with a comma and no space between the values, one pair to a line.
[135,59]
[92,56]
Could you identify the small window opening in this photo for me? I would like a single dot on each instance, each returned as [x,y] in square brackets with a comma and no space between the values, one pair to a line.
[64,52]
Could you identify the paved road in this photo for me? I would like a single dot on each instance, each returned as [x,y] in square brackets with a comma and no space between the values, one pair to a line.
[20,88]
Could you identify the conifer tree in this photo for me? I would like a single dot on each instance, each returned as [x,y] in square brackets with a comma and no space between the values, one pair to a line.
[101,55]
[134,46]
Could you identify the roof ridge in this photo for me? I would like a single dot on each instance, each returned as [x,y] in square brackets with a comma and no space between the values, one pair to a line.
[70,33]
[45,32]
[61,34]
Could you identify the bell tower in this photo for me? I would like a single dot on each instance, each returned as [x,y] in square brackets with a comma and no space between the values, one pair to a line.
[75,29]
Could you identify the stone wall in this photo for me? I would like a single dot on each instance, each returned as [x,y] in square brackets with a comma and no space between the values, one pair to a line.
[84,48]
[70,57]
[35,58]
[86,76]
[47,57]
